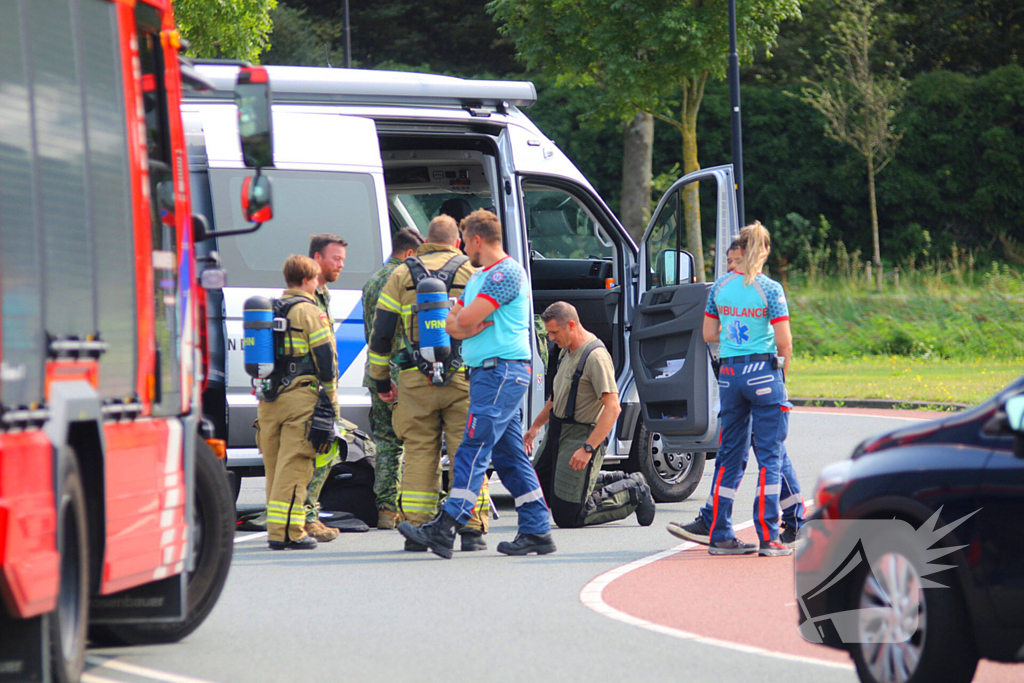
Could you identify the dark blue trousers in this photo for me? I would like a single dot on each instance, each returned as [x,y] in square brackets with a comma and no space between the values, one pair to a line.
[494,432]
[754,405]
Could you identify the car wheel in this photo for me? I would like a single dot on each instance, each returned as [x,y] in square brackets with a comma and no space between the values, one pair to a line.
[212,534]
[673,476]
[907,633]
[69,622]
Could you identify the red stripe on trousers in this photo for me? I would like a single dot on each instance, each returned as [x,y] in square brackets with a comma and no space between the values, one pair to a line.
[764,526]
[714,504]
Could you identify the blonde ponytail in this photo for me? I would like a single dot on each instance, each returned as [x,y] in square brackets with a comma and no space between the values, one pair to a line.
[757,243]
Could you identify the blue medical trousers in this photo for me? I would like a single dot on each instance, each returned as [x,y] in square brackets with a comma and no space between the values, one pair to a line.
[791,500]
[494,432]
[750,393]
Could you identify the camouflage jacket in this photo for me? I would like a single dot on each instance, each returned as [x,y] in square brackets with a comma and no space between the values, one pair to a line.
[371,293]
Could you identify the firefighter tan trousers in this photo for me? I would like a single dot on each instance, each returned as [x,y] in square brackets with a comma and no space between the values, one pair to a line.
[423,413]
[287,458]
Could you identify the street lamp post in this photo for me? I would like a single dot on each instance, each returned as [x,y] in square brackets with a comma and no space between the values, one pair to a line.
[348,39]
[734,106]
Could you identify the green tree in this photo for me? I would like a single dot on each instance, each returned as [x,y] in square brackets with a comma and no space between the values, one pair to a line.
[859,98]
[642,56]
[233,29]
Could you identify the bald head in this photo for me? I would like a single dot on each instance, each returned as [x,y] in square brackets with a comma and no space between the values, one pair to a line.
[443,230]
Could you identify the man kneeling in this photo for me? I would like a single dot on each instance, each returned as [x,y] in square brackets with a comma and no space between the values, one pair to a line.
[584,393]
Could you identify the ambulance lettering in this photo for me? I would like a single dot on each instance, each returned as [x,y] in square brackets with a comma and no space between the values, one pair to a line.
[743,312]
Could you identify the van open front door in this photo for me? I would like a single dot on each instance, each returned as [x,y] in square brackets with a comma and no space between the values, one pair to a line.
[670,360]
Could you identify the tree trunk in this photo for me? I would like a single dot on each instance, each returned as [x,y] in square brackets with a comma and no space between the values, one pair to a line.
[637,148]
[693,93]
[874,223]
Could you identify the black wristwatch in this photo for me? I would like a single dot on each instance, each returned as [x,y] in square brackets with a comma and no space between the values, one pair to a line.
[588,448]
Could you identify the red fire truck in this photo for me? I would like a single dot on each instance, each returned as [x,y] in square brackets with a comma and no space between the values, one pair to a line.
[116,517]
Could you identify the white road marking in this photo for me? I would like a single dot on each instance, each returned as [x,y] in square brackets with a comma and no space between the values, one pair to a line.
[250,537]
[92,678]
[591,596]
[142,671]
[876,417]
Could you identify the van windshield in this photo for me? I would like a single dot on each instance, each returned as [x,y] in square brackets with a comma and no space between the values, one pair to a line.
[305,203]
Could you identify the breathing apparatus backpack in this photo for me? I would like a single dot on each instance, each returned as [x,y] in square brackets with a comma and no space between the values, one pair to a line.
[268,346]
[434,352]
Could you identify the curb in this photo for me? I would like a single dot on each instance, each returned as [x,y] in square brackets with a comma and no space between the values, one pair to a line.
[878,403]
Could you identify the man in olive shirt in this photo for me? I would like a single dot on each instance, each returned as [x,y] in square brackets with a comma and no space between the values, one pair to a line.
[581,410]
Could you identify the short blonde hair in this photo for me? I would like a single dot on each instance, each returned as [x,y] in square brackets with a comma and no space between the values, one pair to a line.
[297,269]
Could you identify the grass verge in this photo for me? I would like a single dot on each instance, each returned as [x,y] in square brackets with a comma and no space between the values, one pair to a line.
[900,378]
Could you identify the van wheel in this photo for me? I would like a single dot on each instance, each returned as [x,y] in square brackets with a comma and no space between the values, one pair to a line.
[906,633]
[673,476]
[69,622]
[212,534]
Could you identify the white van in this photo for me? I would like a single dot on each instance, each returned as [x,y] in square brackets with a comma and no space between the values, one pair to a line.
[365,153]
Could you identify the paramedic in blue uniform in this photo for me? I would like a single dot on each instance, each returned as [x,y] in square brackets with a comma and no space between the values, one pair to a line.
[790,499]
[747,314]
[493,320]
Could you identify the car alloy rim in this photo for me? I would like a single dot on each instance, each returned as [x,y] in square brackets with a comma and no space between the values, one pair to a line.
[892,623]
[672,468]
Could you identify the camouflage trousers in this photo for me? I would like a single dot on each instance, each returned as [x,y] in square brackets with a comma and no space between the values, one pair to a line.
[389,455]
[323,466]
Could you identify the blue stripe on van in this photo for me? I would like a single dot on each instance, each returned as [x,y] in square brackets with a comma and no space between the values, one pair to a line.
[350,338]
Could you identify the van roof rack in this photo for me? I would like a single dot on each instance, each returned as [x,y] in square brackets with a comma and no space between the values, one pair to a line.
[321,85]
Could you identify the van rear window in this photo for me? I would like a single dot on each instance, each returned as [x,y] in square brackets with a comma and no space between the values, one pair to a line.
[305,203]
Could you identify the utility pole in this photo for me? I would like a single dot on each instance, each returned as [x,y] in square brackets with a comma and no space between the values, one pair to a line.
[348,39]
[734,106]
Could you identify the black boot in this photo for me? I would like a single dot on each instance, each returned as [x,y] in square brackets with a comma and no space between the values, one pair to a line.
[524,544]
[438,535]
[304,543]
[610,477]
[646,508]
[472,539]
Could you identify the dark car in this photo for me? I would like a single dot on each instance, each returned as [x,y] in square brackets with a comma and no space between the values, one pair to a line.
[914,559]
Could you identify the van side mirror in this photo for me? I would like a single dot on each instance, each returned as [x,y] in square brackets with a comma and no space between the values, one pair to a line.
[1014,409]
[256,202]
[255,123]
[673,268]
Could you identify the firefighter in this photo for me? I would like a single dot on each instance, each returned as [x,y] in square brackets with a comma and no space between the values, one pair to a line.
[581,411]
[389,453]
[290,426]
[429,405]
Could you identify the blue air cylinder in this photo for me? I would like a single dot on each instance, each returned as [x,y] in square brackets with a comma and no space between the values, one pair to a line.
[432,310]
[258,344]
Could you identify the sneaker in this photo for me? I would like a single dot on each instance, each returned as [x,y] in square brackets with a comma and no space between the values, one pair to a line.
[304,543]
[733,546]
[438,535]
[472,539]
[412,546]
[647,507]
[524,544]
[696,531]
[386,519]
[773,549]
[321,532]
[788,535]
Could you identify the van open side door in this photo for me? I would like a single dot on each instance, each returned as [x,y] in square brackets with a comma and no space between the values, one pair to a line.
[670,360]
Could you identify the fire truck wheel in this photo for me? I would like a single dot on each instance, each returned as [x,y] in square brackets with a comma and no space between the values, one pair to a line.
[212,534]
[69,622]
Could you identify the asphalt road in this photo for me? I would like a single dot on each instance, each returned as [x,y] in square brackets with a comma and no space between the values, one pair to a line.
[361,609]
